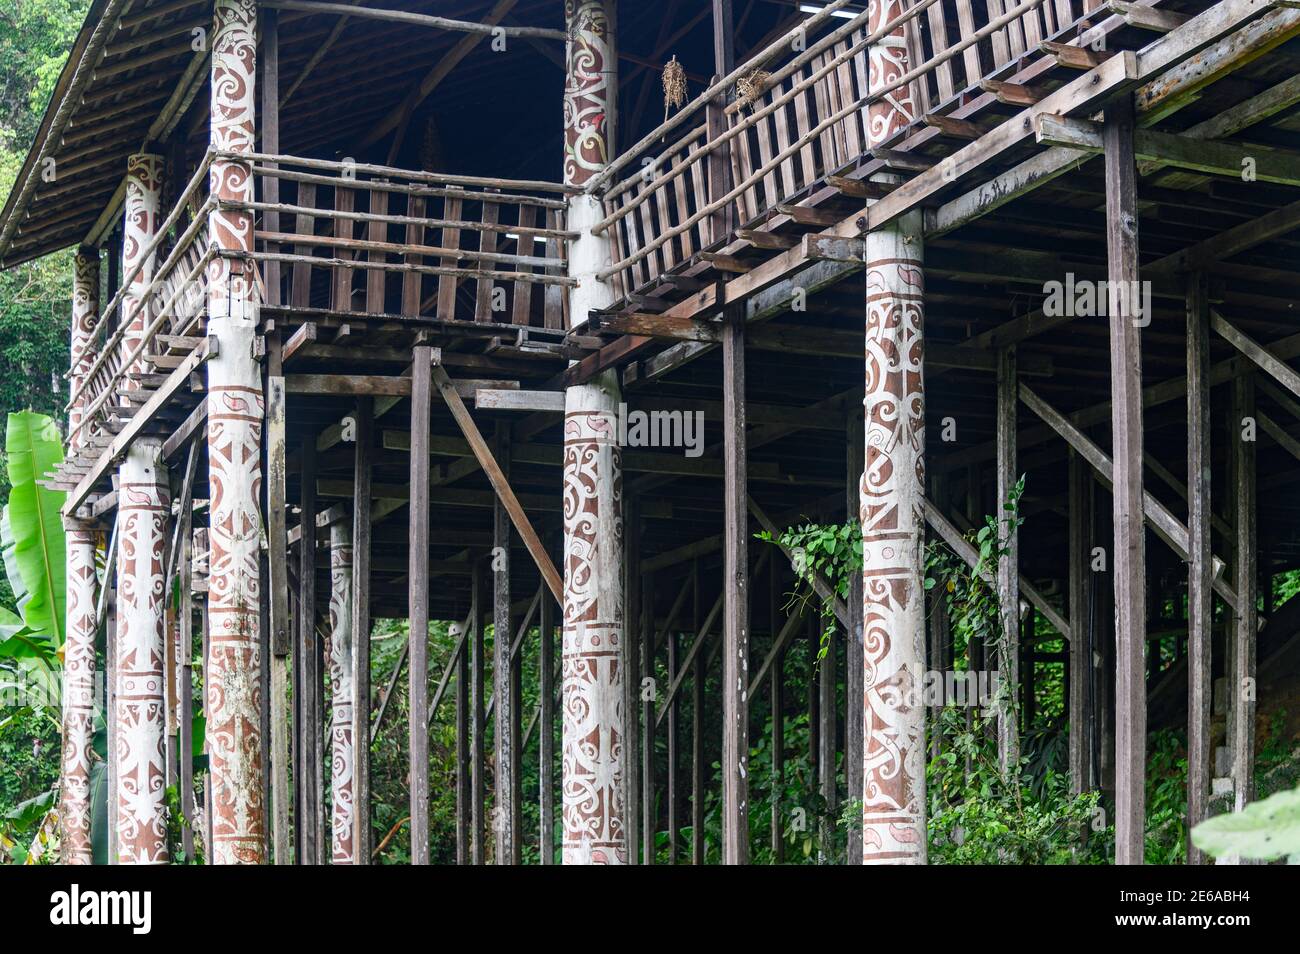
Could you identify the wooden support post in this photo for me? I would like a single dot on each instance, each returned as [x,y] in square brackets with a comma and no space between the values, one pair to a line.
[418,602]
[649,814]
[827,765]
[631,663]
[1129,563]
[546,740]
[853,658]
[463,770]
[278,582]
[478,721]
[1242,431]
[309,733]
[735,585]
[1008,576]
[363,465]
[1080,663]
[505,811]
[1200,598]
[674,779]
[697,731]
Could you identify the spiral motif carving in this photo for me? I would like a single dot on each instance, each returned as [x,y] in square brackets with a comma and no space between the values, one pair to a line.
[592,694]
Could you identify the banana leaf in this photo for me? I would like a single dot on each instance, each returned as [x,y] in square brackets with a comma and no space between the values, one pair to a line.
[32,528]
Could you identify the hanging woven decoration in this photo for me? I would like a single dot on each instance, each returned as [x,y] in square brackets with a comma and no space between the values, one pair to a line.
[749,88]
[674,86]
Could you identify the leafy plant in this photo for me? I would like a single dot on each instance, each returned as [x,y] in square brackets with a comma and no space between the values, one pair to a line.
[1264,830]
[32,526]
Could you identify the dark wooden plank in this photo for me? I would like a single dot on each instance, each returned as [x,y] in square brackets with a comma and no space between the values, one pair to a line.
[303,224]
[418,602]
[1200,598]
[735,583]
[522,306]
[278,587]
[463,742]
[1129,556]
[363,465]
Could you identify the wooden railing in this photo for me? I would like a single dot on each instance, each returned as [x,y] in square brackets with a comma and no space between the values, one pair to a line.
[807,121]
[169,310]
[372,240]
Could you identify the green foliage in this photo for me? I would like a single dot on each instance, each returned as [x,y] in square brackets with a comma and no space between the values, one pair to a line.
[32,526]
[1264,830]
[1166,825]
[978,816]
[830,552]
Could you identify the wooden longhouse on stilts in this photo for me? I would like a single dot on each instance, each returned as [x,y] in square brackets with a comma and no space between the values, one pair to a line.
[366,296]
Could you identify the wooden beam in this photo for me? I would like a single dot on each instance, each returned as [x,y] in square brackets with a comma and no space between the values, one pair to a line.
[1246,624]
[735,587]
[1200,599]
[499,483]
[1283,373]
[418,602]
[1208,156]
[1079,704]
[1129,557]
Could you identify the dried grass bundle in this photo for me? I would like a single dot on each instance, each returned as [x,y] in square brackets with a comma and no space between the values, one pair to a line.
[749,88]
[674,79]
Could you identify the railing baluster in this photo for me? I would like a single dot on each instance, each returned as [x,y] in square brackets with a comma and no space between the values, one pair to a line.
[648,234]
[681,184]
[553,297]
[487,242]
[525,245]
[341,295]
[939,42]
[665,223]
[304,224]
[970,55]
[376,278]
[412,280]
[451,211]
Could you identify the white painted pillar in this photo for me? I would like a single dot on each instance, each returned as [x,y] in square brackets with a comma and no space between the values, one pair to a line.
[142,514]
[79,628]
[343,755]
[593,756]
[235,415]
[892,491]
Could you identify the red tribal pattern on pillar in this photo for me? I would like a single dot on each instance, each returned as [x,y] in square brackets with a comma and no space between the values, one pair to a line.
[142,510]
[890,497]
[343,757]
[592,699]
[235,414]
[591,76]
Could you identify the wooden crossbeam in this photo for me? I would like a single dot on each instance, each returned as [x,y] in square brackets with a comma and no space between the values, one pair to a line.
[499,483]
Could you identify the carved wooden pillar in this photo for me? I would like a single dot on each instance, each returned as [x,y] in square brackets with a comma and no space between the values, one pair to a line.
[343,756]
[892,490]
[594,742]
[235,414]
[79,629]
